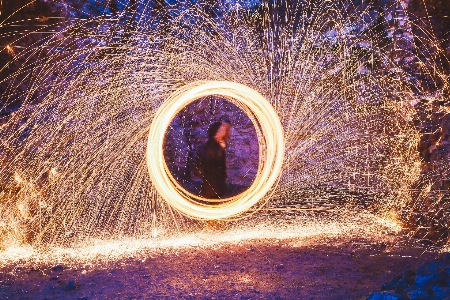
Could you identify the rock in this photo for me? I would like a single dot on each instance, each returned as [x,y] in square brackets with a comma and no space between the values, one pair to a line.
[445,270]
[70,286]
[431,266]
[445,256]
[391,285]
[409,277]
[418,294]
[424,144]
[401,286]
[431,280]
[426,242]
[385,296]
[440,292]
[434,137]
[424,280]
[57,268]
[445,127]
[400,282]
[434,148]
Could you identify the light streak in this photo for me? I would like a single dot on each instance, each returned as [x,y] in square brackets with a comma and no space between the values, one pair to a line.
[9,49]
[300,231]
[332,135]
[270,139]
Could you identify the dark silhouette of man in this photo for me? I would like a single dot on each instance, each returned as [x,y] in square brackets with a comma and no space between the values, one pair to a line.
[214,170]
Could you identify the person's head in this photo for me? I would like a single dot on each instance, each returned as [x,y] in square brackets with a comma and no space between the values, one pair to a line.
[213,128]
[220,131]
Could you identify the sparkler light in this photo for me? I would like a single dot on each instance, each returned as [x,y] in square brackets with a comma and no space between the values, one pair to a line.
[271,149]
[9,49]
[329,101]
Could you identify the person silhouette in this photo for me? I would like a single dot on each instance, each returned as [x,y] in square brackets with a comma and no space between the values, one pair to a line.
[214,170]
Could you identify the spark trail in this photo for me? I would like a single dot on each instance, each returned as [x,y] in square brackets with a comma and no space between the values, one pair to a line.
[74,165]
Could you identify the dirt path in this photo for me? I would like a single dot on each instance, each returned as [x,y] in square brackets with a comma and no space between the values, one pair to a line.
[246,271]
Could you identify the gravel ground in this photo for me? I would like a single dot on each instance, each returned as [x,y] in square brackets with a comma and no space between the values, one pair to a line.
[246,271]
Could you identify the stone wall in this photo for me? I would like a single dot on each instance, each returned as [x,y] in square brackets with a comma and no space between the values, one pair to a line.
[188,132]
[429,212]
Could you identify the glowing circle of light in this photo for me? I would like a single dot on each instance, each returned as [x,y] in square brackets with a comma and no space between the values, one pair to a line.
[270,140]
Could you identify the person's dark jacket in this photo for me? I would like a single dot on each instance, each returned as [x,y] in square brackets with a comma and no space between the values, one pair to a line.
[214,171]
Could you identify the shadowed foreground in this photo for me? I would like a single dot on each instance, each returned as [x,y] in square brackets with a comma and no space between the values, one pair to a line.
[256,271]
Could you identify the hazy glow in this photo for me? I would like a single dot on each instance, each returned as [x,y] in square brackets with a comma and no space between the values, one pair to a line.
[271,149]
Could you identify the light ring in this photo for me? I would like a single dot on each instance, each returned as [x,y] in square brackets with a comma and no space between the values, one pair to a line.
[270,140]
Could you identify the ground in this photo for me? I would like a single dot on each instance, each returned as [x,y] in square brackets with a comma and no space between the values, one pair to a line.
[250,270]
